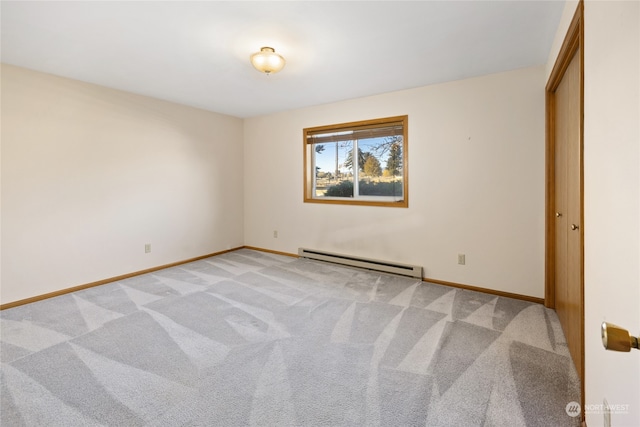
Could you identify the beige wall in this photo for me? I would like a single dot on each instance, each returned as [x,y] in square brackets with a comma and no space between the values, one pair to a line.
[90,175]
[476,183]
[612,202]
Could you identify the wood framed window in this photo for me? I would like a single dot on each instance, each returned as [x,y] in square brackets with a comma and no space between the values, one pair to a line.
[376,176]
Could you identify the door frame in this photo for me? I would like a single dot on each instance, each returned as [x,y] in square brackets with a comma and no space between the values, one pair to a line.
[573,41]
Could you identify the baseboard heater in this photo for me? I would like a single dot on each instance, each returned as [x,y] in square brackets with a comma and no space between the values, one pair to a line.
[371,264]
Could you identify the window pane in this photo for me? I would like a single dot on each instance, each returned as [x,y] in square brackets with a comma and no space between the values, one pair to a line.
[381,167]
[334,169]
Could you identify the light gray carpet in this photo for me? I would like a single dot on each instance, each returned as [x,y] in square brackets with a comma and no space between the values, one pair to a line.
[251,338]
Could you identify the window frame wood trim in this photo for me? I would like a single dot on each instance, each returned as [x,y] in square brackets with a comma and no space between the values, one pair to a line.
[308,174]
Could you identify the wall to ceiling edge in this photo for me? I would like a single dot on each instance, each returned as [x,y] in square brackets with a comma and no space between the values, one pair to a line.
[90,175]
[476,183]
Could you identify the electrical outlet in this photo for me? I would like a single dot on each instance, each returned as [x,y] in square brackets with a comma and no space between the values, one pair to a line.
[461,259]
[275,234]
[147,248]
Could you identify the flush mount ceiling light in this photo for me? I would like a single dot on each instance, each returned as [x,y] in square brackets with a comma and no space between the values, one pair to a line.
[267,60]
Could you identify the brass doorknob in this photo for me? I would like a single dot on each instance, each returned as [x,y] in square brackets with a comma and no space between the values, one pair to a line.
[558,214]
[617,339]
[574,227]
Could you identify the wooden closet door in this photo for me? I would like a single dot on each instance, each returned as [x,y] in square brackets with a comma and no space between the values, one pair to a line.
[568,204]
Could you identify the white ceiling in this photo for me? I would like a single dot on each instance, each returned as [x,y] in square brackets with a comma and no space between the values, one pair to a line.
[197,53]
